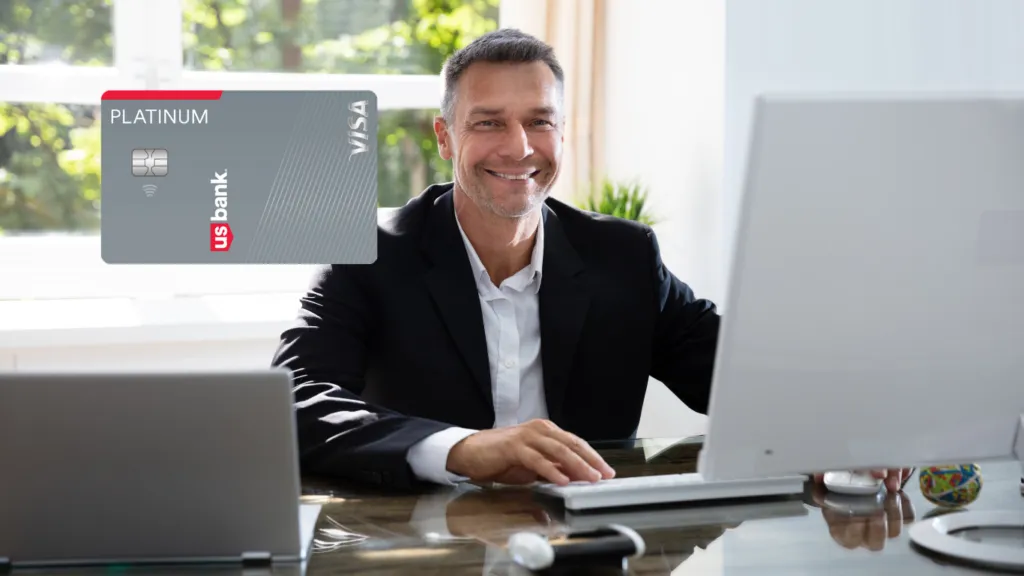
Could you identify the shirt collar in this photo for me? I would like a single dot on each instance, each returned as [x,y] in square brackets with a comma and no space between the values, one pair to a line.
[529,277]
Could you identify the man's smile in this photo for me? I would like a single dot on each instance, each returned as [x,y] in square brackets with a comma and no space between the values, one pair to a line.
[513,174]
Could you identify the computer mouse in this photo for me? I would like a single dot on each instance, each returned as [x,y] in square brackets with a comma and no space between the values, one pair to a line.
[855,504]
[852,483]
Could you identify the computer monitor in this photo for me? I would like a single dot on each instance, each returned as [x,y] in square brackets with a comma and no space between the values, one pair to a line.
[875,314]
[147,467]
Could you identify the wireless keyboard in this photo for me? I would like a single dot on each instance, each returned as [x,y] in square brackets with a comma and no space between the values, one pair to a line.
[666,489]
[660,517]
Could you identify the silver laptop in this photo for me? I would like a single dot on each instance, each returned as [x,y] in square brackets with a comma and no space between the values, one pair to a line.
[150,468]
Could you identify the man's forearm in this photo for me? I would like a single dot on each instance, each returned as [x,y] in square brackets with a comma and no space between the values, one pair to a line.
[341,436]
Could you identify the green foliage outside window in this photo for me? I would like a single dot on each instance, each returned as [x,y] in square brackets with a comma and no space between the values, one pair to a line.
[50,153]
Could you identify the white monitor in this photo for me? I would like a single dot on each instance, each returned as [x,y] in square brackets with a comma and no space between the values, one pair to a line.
[175,467]
[875,316]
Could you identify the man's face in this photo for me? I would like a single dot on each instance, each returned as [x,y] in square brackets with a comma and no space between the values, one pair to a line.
[505,138]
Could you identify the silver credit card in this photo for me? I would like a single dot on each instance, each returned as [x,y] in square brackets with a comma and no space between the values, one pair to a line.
[244,177]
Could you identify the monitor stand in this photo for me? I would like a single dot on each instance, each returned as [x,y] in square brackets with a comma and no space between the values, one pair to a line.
[939,534]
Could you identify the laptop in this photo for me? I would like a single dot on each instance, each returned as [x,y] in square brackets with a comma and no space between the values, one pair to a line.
[183,467]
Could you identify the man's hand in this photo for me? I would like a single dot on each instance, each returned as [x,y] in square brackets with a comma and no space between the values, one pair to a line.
[894,479]
[535,450]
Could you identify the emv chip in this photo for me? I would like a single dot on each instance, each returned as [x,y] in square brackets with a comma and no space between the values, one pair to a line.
[149,162]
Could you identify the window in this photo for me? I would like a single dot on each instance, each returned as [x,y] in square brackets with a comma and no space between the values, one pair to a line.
[58,56]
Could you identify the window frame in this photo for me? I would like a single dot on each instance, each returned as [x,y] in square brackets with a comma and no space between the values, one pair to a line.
[150,57]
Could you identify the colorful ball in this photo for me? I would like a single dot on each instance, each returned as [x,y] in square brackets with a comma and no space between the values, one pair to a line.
[952,485]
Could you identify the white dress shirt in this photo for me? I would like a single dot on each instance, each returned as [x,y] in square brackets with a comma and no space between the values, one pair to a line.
[512,329]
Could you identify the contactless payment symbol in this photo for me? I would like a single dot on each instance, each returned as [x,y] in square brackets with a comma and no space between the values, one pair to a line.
[149,162]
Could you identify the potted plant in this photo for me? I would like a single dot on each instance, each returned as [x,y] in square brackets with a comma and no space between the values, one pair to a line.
[627,200]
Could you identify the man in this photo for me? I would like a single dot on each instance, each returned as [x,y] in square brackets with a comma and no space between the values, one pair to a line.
[499,331]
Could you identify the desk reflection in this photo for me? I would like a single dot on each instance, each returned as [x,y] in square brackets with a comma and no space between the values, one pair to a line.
[489,516]
[856,522]
[463,530]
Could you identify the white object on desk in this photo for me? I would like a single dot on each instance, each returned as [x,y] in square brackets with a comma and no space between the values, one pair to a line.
[893,226]
[666,489]
[939,535]
[852,483]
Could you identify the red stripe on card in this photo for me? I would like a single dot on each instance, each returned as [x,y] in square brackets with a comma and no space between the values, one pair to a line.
[162,95]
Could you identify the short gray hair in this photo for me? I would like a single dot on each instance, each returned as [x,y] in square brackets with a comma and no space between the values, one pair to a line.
[504,45]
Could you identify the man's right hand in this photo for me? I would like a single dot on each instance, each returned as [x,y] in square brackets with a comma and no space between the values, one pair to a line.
[525,453]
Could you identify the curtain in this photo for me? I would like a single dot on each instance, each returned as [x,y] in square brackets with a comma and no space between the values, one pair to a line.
[576,30]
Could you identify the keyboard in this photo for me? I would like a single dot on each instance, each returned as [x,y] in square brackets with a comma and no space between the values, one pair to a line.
[666,489]
[660,517]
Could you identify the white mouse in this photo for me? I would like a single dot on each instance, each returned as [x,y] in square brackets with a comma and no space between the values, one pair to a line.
[853,483]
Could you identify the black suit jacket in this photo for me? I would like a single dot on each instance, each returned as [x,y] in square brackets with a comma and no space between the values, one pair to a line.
[396,350]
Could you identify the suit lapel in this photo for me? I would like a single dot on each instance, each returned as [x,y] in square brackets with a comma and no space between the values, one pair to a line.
[452,286]
[563,310]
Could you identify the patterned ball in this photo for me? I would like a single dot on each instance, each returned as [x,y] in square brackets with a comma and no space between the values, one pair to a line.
[951,486]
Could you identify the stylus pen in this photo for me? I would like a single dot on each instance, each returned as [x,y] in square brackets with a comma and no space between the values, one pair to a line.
[610,545]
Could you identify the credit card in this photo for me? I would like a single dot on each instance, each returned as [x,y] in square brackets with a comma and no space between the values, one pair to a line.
[239,177]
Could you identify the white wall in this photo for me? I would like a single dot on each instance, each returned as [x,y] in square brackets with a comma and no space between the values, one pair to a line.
[860,45]
[663,83]
[664,95]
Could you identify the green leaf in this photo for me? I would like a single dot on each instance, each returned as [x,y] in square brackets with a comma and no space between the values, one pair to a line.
[626,200]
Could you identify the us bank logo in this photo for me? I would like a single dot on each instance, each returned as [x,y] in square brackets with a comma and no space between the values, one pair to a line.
[221,236]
